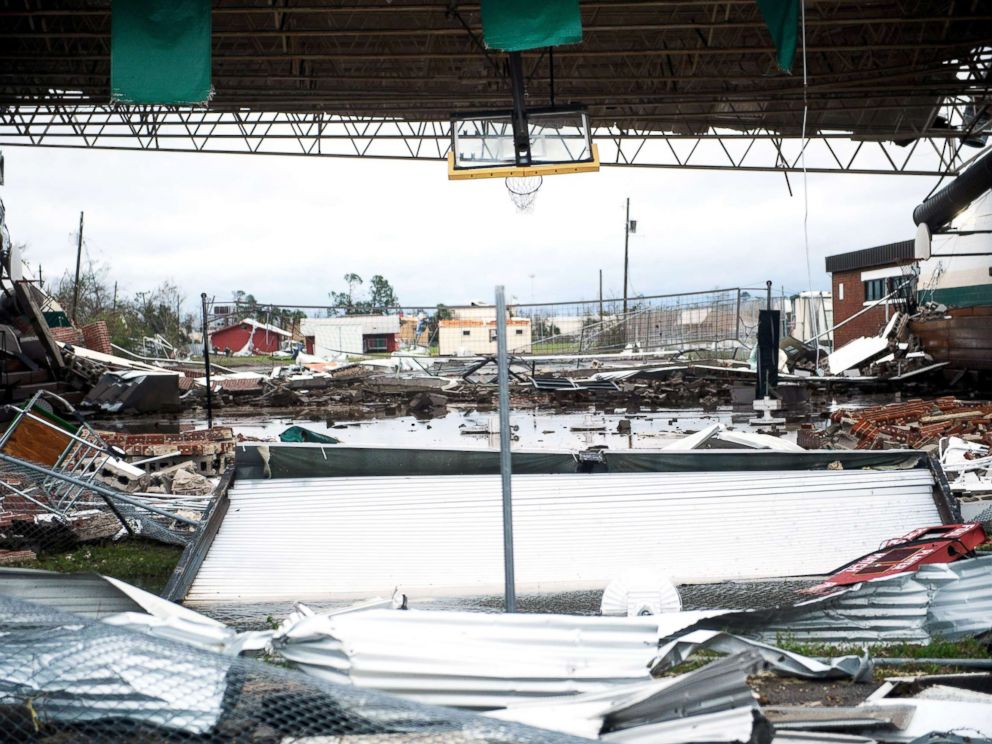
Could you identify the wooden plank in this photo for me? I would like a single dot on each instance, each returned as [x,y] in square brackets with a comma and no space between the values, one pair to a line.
[29,307]
[37,443]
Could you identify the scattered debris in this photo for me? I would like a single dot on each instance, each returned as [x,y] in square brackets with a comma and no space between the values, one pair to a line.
[916,423]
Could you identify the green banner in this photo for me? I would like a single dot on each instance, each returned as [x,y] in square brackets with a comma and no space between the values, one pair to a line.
[515,25]
[160,51]
[782,19]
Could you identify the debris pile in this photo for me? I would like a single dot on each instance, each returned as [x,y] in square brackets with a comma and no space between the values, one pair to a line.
[918,424]
[211,451]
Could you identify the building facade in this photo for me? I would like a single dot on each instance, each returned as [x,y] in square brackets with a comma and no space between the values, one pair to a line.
[861,279]
[248,337]
[351,334]
[470,337]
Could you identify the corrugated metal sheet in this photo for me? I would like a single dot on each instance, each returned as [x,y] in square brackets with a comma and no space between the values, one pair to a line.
[711,704]
[430,536]
[878,255]
[470,659]
[949,601]
[86,595]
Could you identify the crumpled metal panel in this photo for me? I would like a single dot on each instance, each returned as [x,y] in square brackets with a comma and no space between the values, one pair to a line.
[471,659]
[950,601]
[442,535]
[711,704]
[856,668]
[80,672]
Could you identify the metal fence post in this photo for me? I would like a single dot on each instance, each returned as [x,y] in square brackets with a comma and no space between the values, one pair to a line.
[206,359]
[503,380]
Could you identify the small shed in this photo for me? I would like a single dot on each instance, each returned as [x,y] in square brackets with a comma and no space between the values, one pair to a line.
[351,334]
[249,337]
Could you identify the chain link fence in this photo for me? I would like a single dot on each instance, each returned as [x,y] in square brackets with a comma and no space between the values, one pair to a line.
[67,679]
[717,321]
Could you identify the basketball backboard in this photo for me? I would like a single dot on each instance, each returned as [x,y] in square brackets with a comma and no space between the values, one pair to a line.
[482,144]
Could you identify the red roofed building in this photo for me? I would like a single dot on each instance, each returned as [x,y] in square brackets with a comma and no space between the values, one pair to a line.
[248,337]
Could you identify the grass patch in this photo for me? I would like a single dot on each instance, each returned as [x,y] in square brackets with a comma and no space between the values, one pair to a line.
[969,648]
[233,362]
[143,563]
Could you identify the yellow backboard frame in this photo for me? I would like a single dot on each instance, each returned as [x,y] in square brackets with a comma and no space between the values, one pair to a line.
[522,171]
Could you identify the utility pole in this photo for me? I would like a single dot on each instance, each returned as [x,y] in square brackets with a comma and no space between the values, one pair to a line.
[626,256]
[600,293]
[79,253]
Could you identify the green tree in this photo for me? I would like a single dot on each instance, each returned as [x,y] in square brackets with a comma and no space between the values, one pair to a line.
[381,296]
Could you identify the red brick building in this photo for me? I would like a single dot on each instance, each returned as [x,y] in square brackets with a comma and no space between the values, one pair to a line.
[863,277]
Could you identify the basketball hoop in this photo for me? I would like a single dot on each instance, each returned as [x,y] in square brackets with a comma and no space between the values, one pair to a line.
[523,190]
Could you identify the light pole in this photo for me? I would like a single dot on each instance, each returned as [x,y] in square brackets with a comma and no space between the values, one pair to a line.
[629,226]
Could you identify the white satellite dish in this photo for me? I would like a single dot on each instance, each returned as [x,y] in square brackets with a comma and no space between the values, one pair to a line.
[921,246]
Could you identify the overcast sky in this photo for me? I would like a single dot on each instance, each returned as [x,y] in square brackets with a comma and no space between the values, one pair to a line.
[288,228]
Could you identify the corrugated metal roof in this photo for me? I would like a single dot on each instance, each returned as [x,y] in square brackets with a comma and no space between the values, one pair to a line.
[471,659]
[442,535]
[879,255]
[949,601]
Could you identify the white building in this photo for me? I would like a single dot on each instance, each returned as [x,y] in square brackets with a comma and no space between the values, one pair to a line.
[351,334]
[470,337]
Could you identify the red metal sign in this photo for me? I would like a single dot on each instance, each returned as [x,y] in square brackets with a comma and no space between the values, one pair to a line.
[940,544]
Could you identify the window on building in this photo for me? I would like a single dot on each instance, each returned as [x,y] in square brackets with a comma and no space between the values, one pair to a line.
[492,335]
[376,343]
[520,331]
[840,290]
[466,333]
[875,290]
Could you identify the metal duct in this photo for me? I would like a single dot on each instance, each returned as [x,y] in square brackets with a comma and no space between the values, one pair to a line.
[943,206]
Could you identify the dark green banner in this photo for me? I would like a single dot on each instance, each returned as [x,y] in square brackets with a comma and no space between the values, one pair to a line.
[515,25]
[782,19]
[160,51]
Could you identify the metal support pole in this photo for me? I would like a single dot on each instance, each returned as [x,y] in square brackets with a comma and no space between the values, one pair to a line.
[521,130]
[75,286]
[206,360]
[600,294]
[626,258]
[502,366]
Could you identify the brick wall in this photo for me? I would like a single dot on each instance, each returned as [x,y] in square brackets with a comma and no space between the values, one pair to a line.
[97,337]
[867,324]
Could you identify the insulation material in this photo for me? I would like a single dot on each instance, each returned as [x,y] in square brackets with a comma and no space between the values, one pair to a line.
[516,25]
[160,51]
[442,535]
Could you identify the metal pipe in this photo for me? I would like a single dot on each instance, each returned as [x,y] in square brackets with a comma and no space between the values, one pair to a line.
[106,493]
[503,382]
[206,360]
[947,203]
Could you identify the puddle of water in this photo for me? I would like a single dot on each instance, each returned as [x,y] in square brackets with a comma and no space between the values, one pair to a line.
[531,429]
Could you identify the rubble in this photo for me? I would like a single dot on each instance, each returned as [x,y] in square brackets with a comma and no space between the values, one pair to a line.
[916,423]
